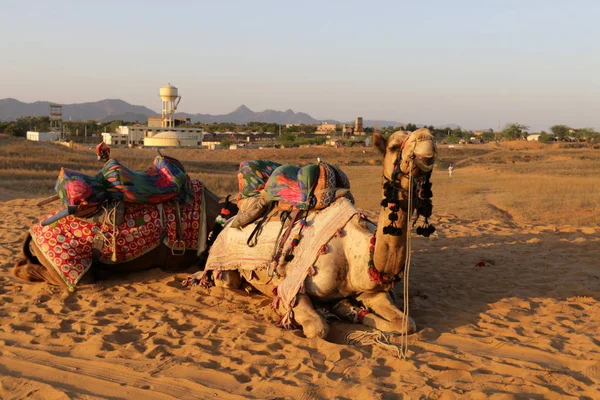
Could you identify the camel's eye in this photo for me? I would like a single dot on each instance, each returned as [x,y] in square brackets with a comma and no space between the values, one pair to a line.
[395,147]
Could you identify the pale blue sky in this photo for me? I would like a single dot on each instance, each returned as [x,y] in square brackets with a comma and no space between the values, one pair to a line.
[475,63]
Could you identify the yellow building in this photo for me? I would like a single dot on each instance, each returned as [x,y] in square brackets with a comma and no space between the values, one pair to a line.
[325,128]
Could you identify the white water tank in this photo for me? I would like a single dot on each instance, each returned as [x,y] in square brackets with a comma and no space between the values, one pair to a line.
[168,93]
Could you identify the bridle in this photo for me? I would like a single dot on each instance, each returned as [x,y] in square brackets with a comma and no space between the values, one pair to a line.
[420,188]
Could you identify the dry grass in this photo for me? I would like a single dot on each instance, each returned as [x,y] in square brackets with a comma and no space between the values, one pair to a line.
[519,182]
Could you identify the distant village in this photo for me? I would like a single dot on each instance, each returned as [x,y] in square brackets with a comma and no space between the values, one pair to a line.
[167,130]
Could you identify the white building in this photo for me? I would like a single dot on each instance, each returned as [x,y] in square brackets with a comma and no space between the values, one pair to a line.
[43,136]
[115,138]
[175,138]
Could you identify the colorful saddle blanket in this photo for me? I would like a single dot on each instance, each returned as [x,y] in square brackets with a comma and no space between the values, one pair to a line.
[68,242]
[311,187]
[165,180]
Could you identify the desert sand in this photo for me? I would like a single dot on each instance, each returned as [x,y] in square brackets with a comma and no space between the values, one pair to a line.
[505,309]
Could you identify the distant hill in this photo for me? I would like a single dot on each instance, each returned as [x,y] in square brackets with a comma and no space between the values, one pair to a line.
[102,110]
[243,115]
[115,109]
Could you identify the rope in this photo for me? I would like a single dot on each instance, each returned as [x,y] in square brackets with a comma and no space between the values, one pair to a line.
[405,277]
[110,238]
[375,338]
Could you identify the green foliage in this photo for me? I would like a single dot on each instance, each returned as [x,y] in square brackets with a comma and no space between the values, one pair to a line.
[488,136]
[411,127]
[561,132]
[515,131]
[588,134]
[20,126]
[546,138]
[225,143]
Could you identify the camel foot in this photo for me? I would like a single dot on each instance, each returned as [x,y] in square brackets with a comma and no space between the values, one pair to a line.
[313,324]
[227,279]
[387,317]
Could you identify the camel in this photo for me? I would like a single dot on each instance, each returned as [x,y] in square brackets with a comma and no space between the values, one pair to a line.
[349,269]
[34,266]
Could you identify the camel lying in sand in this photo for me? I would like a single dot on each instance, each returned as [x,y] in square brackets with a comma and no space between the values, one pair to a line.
[366,259]
[35,266]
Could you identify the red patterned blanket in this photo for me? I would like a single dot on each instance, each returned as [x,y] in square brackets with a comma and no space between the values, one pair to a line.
[68,242]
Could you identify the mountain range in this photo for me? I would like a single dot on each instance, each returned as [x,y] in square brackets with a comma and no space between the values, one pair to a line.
[116,109]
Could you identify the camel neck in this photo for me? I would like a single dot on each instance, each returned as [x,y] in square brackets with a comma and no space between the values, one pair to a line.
[390,251]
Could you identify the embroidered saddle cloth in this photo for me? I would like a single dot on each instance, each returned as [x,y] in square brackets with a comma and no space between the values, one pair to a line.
[68,242]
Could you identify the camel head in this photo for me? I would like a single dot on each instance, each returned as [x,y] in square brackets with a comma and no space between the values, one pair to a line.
[401,148]
[405,155]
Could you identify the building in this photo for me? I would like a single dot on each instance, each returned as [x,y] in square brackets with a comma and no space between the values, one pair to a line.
[325,128]
[358,126]
[115,138]
[158,122]
[347,130]
[43,136]
[161,131]
[174,139]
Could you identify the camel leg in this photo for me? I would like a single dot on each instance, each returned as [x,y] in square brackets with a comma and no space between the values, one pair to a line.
[313,324]
[349,312]
[382,305]
[227,279]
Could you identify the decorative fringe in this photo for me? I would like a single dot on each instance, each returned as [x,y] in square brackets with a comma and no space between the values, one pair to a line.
[287,320]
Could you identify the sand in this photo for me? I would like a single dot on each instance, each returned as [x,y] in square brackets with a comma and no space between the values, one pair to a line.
[503,310]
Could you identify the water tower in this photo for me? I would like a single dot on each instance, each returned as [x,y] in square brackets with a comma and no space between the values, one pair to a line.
[170,100]
[56,118]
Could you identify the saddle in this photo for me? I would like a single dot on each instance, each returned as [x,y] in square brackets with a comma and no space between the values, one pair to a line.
[264,185]
[86,195]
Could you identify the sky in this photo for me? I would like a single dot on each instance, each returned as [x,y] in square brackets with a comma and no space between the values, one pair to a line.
[480,64]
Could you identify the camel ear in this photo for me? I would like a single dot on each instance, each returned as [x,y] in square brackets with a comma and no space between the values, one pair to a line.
[380,142]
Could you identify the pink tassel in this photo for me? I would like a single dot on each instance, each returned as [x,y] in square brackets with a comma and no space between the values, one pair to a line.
[219,275]
[339,233]
[275,303]
[323,250]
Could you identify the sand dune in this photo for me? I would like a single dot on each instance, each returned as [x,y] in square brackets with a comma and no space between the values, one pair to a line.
[524,324]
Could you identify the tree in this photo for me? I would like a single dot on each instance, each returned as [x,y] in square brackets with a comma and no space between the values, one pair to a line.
[560,131]
[225,143]
[515,131]
[411,127]
[589,134]
[546,138]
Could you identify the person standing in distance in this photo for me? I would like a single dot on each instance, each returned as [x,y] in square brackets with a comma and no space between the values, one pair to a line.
[450,170]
